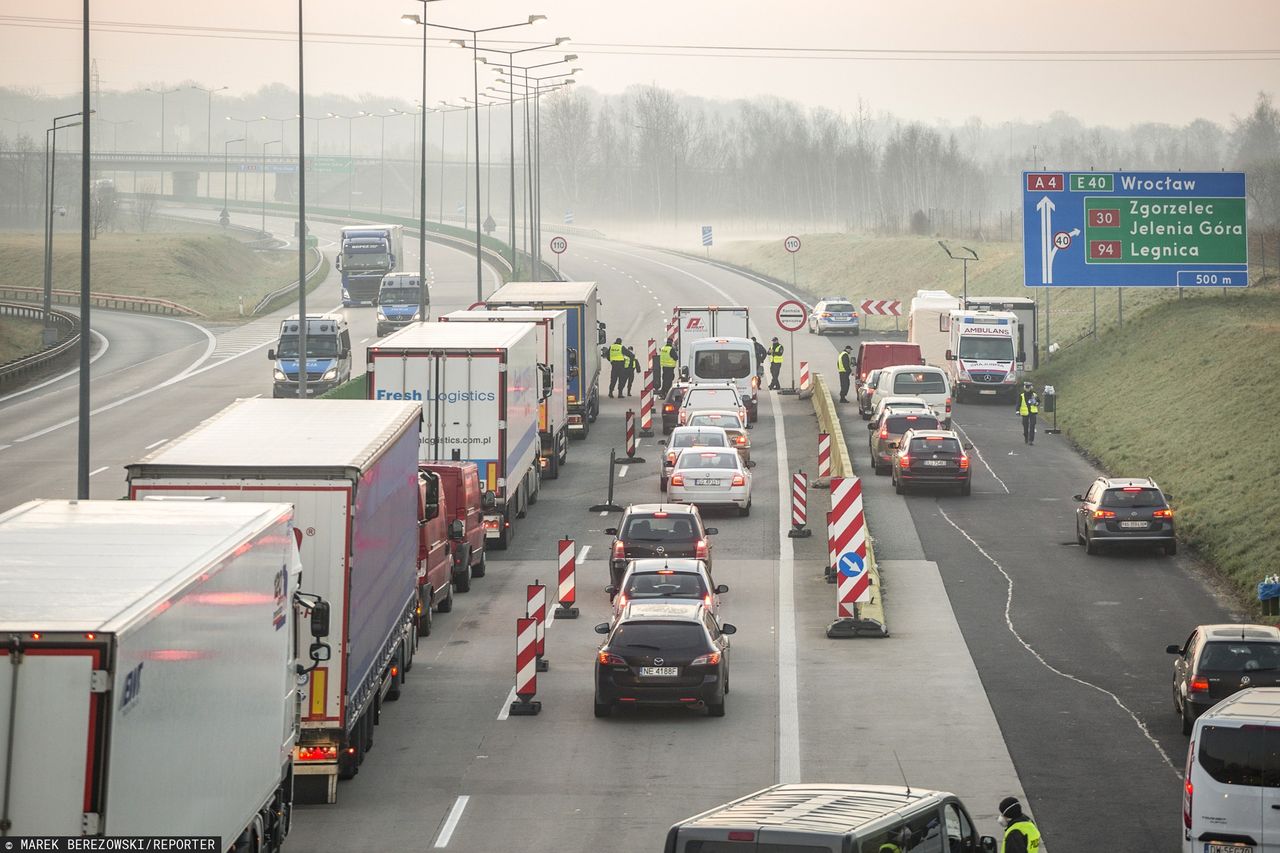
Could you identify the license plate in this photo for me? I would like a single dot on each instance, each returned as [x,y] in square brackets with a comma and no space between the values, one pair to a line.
[934,463]
[1134,525]
[659,671]
[990,391]
[1210,847]
[706,482]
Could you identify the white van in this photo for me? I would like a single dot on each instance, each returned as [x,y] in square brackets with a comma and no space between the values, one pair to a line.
[1231,793]
[728,360]
[925,381]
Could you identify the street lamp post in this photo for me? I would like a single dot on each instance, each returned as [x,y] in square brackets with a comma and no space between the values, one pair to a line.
[208,127]
[225,216]
[422,168]
[351,166]
[49,334]
[382,155]
[162,93]
[86,156]
[264,182]
[244,129]
[964,259]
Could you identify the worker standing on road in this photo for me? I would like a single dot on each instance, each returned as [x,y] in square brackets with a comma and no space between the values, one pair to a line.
[615,366]
[1028,408]
[630,367]
[1020,834]
[844,366]
[669,358]
[761,352]
[775,364]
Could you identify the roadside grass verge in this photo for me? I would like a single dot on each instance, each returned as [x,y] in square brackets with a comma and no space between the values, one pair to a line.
[18,337]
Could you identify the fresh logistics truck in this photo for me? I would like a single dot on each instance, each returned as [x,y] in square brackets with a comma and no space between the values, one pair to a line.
[581,301]
[707,321]
[553,354]
[350,468]
[479,385]
[365,254]
[982,357]
[150,660]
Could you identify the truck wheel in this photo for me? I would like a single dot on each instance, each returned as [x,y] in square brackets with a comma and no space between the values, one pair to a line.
[446,603]
[424,616]
[553,466]
[477,571]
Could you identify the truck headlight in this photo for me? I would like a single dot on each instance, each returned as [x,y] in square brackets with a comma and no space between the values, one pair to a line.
[330,374]
[381,316]
[278,375]
[962,374]
[417,315]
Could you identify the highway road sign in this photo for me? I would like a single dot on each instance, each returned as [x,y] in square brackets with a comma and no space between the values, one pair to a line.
[791,244]
[791,315]
[559,244]
[331,165]
[882,307]
[1136,229]
[706,235]
[850,564]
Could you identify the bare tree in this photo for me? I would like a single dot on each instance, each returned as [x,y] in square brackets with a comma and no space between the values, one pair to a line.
[144,205]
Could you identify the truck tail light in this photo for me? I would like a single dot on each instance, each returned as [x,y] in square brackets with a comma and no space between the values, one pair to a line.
[677,480]
[1103,513]
[316,753]
[709,659]
[1199,684]
[700,550]
[739,480]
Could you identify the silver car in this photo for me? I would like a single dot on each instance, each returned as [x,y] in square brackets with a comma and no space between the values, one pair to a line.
[688,436]
[739,438]
[706,477]
[661,579]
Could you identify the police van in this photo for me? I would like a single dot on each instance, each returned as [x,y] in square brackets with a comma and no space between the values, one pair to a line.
[831,818]
[328,358]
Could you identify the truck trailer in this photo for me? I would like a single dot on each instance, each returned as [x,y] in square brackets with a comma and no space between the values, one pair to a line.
[584,332]
[148,669]
[479,385]
[553,412]
[707,321]
[365,254]
[349,467]
[925,326]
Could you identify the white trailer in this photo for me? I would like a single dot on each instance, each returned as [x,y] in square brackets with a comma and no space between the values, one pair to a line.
[148,671]
[925,324]
[981,357]
[553,354]
[708,321]
[480,386]
[349,467]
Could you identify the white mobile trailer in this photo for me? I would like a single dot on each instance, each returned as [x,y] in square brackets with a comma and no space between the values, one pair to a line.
[707,321]
[925,325]
[553,411]
[479,386]
[349,467]
[148,669]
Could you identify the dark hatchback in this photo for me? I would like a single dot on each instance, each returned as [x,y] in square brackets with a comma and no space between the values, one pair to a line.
[668,653]
[931,457]
[1219,660]
[1116,511]
[671,406]
[658,530]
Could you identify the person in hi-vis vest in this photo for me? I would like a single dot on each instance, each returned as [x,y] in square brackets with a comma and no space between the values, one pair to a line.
[775,364]
[669,359]
[630,367]
[1028,408]
[616,358]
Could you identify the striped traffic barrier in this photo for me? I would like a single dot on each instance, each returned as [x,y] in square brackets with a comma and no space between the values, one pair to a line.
[829,571]
[806,381]
[851,568]
[799,506]
[567,592]
[646,393]
[824,456]
[631,440]
[526,668]
[536,609]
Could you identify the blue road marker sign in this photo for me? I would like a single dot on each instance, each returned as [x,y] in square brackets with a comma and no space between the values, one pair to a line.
[706,235]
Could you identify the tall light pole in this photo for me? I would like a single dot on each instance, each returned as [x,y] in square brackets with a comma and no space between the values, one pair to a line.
[964,259]
[208,128]
[446,108]
[162,93]
[248,140]
[351,175]
[51,159]
[382,154]
[115,130]
[264,180]
[422,168]
[302,217]
[86,153]
[283,148]
[225,216]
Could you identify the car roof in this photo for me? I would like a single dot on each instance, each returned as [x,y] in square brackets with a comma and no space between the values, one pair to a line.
[818,808]
[903,400]
[1259,705]
[699,428]
[692,450]
[672,509]
[1240,632]
[665,611]
[713,386]
[731,413]
[675,564]
[1121,482]
[931,433]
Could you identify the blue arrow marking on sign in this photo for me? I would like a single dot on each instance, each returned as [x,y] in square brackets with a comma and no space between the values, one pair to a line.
[850,564]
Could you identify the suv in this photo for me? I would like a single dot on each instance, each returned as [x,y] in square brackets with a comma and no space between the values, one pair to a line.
[716,397]
[833,314]
[1219,660]
[687,436]
[1127,509]
[652,579]
[886,433]
[931,457]
[671,406]
[658,530]
[663,653]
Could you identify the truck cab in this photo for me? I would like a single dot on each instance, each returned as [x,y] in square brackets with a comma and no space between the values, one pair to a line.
[365,254]
[462,511]
[398,300]
[328,356]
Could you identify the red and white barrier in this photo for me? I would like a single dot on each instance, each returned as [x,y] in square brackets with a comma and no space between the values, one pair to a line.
[536,609]
[806,381]
[567,593]
[849,545]
[828,572]
[882,307]
[526,668]
[631,434]
[646,393]
[824,455]
[799,506]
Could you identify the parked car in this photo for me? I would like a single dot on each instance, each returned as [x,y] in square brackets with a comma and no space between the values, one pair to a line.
[687,436]
[731,423]
[671,406]
[664,578]
[834,314]
[1219,660]
[714,397]
[1124,510]
[710,477]
[888,431]
[933,457]
[658,530]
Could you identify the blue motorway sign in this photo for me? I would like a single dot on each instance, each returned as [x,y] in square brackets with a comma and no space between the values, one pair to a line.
[706,235]
[1134,229]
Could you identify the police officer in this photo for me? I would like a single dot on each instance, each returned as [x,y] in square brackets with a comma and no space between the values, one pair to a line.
[616,358]
[844,366]
[1020,834]
[761,352]
[630,367]
[1028,408]
[669,359]
[775,364]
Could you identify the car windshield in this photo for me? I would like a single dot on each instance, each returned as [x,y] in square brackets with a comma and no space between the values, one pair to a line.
[935,445]
[986,349]
[675,640]
[898,424]
[664,528]
[840,308]
[1132,498]
[722,363]
[1240,657]
[919,382]
[318,346]
[711,459]
[672,585]
[699,439]
[398,295]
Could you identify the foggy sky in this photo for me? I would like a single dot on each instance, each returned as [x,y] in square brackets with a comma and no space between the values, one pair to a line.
[922,87]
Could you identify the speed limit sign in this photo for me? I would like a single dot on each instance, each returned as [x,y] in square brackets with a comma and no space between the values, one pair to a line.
[559,244]
[791,244]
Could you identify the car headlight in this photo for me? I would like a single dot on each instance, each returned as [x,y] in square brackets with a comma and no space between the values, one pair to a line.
[963,374]
[278,375]
[381,315]
[417,315]
[330,374]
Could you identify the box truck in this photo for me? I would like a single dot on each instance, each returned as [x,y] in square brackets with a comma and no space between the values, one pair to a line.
[925,324]
[982,358]
[707,321]
[350,468]
[365,254]
[1024,308]
[479,385]
[553,353]
[148,674]
[584,332]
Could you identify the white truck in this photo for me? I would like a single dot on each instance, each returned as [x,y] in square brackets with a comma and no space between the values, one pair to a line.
[982,354]
[349,467]
[553,354]
[707,321]
[925,324]
[148,674]
[479,385]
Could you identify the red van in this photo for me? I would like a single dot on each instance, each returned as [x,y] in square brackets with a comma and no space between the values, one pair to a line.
[465,503]
[874,355]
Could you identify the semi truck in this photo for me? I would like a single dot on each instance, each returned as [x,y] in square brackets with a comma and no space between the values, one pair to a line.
[148,674]
[328,355]
[982,358]
[366,253]
[479,385]
[553,353]
[707,321]
[349,467]
[584,332]
[399,301]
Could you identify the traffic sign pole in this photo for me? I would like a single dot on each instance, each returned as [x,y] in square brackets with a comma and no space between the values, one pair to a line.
[790,316]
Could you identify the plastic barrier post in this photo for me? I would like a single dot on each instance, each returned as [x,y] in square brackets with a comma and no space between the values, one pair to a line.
[799,506]
[646,393]
[526,669]
[567,591]
[824,456]
[536,609]
[631,440]
[829,572]
[806,381]
[608,505]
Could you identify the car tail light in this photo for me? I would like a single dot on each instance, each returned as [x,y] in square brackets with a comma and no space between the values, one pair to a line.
[1162,513]
[1132,489]
[904,461]
[684,416]
[742,835]
[884,432]
[964,462]
[739,480]
[619,550]
[1103,513]
[608,658]
[709,659]
[677,480]
[1199,684]
[666,571]
[948,405]
[317,753]
[668,407]
[661,514]
[707,600]
[700,550]
[491,524]
[755,382]
[1188,790]
[740,440]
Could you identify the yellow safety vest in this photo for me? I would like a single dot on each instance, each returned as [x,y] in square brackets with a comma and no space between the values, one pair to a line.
[665,357]
[842,362]
[1028,829]
[627,362]
[775,353]
[1023,408]
[615,352]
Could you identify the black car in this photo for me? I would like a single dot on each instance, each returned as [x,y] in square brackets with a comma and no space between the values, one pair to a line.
[1219,660]
[663,653]
[887,432]
[930,457]
[658,530]
[1118,510]
[671,406]
[864,391]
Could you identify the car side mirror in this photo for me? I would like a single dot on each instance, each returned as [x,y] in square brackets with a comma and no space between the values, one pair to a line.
[488,500]
[951,356]
[711,531]
[1077,498]
[319,652]
[457,529]
[721,589]
[968,445]
[1173,649]
[612,531]
[871,427]
[987,844]
[374,302]
[344,354]
[662,442]
[893,445]
[751,464]
[271,355]
[1168,497]
[611,589]
[726,628]
[602,628]
[320,619]
[1022,357]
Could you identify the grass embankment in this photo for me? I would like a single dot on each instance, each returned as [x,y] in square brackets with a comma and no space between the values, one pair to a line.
[18,337]
[209,273]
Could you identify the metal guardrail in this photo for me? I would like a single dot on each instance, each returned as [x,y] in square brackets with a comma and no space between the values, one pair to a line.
[842,466]
[266,301]
[114,301]
[68,342]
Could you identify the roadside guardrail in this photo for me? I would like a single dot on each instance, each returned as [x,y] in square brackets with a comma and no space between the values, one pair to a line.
[319,268]
[68,326]
[114,301]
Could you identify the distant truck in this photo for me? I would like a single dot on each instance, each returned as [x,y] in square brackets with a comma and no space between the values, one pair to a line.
[399,301]
[349,467]
[925,324]
[328,355]
[366,253]
[708,321]
[584,332]
[982,358]
[150,663]
[1024,308]
[553,412]
[480,385]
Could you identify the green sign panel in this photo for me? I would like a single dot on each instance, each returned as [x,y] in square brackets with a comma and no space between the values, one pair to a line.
[1154,230]
[331,165]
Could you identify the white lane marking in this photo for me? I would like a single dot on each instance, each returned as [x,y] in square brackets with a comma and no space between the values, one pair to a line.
[582,553]
[983,459]
[5,446]
[97,471]
[255,396]
[364,340]
[622,472]
[1008,621]
[506,705]
[451,822]
[106,345]
[155,444]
